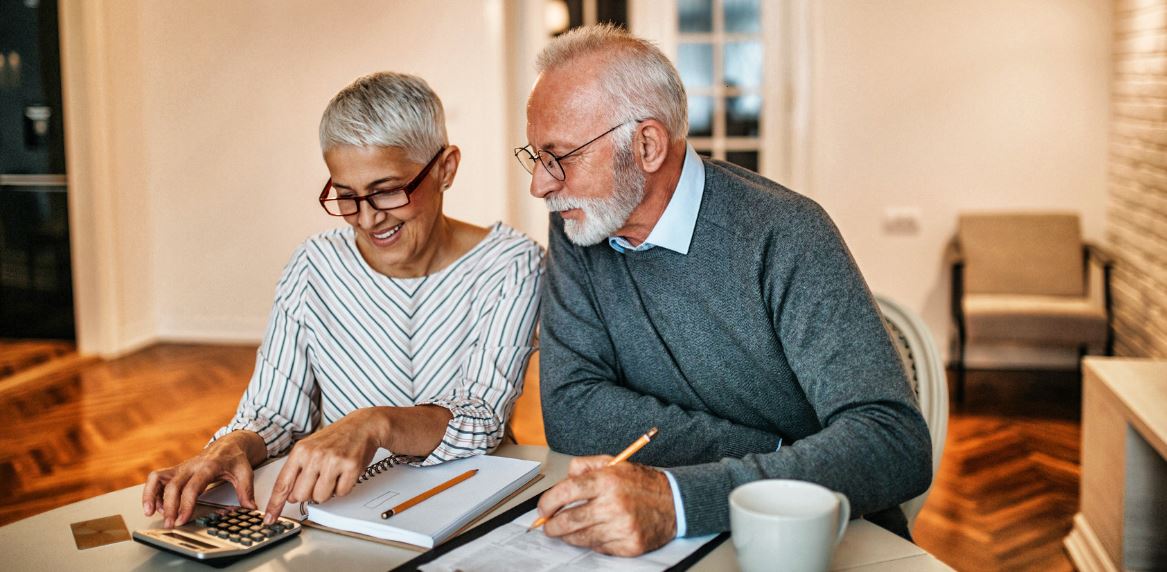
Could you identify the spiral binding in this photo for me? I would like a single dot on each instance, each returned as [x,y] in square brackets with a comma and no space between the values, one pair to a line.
[372,471]
[384,464]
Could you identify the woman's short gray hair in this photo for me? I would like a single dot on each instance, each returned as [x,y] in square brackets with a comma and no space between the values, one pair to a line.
[638,78]
[386,109]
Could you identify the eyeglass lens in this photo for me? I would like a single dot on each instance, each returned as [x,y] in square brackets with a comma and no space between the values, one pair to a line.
[345,206]
[529,161]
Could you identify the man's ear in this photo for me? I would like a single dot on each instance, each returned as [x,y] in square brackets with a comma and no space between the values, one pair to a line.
[650,144]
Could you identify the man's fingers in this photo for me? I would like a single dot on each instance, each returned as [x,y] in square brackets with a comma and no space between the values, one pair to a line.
[582,465]
[572,519]
[572,490]
[589,537]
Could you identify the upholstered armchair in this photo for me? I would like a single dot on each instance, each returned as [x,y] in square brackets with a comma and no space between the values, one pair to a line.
[1028,279]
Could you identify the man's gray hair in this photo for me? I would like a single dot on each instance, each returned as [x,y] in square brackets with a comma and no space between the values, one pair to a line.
[639,80]
[386,109]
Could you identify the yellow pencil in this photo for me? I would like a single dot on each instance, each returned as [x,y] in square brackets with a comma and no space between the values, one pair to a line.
[623,456]
[423,496]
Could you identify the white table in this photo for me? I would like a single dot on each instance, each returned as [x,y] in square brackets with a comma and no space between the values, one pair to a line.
[45,541]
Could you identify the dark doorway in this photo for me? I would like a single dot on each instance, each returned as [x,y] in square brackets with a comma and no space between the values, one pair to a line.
[36,286]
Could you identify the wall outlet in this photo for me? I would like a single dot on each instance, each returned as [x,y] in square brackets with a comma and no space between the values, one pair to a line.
[901,221]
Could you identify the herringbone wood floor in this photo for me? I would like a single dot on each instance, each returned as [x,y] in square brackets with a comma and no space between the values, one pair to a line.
[82,432]
[1003,500]
[20,355]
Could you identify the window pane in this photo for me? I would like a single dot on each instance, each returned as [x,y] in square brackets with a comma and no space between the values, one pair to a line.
[704,152]
[695,62]
[747,159]
[743,64]
[696,16]
[613,11]
[741,115]
[700,116]
[741,16]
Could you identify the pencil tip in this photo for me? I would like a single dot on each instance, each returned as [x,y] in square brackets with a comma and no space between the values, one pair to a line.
[652,432]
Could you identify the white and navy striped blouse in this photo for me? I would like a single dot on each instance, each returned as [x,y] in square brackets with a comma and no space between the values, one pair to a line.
[343,336]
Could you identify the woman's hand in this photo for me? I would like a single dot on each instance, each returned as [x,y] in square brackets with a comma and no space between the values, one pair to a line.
[173,491]
[328,462]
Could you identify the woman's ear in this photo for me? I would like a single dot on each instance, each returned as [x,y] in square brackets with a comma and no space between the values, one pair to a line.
[650,144]
[449,162]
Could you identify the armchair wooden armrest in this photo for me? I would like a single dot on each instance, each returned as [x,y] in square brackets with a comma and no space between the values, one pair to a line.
[1095,253]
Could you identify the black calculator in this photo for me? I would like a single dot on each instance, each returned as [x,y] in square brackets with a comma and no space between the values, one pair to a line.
[221,537]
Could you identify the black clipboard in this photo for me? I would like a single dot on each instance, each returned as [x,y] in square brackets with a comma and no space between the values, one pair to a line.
[518,510]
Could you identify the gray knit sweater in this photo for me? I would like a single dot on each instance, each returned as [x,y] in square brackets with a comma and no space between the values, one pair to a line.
[765,330]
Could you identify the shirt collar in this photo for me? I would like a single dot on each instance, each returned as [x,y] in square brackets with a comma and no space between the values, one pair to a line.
[674,230]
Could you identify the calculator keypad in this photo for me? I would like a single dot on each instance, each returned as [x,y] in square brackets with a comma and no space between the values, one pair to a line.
[242,526]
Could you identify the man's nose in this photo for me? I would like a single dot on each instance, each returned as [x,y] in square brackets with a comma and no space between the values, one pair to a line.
[542,183]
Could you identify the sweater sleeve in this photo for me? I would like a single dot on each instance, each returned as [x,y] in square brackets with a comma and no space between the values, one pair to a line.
[874,446]
[581,391]
[490,377]
[281,402]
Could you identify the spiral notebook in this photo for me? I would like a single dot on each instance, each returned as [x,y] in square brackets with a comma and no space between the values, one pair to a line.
[389,481]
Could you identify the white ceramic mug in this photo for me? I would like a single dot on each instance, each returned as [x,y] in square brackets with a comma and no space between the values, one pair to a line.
[786,525]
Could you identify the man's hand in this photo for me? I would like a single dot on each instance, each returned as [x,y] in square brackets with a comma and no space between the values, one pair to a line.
[627,508]
[173,491]
[327,462]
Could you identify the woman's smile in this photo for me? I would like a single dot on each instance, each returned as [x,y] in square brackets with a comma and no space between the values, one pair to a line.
[386,237]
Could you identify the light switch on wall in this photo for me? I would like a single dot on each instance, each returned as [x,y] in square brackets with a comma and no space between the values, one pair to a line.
[901,221]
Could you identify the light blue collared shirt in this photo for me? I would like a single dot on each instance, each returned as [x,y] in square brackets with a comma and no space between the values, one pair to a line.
[674,231]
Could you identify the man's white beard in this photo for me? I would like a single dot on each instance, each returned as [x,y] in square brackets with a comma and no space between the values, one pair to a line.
[603,217]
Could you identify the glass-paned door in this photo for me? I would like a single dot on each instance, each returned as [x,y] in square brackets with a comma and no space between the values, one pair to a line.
[720,55]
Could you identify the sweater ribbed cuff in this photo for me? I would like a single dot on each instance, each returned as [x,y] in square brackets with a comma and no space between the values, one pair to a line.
[705,494]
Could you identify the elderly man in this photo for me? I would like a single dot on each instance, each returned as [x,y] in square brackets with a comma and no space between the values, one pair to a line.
[701,298]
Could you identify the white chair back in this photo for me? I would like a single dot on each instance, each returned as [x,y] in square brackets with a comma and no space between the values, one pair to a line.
[922,362]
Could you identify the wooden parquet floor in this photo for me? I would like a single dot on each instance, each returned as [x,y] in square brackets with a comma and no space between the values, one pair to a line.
[20,355]
[1003,500]
[80,433]
[1008,483]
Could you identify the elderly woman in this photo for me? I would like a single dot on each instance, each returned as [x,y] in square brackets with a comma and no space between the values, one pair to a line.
[406,330]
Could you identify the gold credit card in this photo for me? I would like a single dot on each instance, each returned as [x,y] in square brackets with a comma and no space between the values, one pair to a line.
[99,532]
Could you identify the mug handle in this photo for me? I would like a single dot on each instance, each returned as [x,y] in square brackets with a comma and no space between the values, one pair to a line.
[844,516]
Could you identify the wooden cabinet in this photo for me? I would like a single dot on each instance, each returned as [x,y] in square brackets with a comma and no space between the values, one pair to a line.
[1122,520]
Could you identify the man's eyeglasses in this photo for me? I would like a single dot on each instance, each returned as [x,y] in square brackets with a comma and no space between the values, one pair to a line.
[346,205]
[529,157]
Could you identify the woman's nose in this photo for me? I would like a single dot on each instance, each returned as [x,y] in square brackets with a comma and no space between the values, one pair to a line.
[368,217]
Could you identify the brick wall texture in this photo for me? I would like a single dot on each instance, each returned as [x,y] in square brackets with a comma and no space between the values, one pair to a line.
[1137,213]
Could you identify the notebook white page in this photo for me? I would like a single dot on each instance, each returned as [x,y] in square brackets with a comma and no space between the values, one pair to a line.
[426,524]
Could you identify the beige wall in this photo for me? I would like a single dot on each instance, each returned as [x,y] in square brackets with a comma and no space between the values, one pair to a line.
[1138,178]
[211,110]
[952,106]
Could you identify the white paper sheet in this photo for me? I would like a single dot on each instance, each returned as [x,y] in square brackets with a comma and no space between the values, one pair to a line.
[509,547]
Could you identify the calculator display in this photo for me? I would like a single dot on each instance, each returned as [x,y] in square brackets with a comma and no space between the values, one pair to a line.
[189,540]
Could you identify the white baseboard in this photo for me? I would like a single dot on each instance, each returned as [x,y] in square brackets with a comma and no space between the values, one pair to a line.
[1085,549]
[217,330]
[1020,357]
